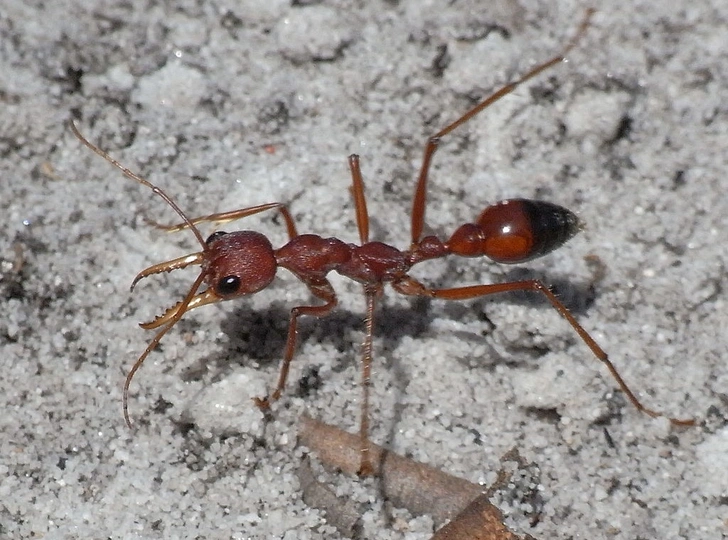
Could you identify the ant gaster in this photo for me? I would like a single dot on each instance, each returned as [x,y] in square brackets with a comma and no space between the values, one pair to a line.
[241,263]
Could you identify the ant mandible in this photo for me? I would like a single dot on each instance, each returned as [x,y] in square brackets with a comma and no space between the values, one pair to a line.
[241,263]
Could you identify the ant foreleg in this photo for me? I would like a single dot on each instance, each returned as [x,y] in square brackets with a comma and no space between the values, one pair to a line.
[221,218]
[412,287]
[419,200]
[322,290]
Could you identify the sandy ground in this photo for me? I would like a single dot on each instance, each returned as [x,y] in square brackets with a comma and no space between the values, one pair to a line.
[228,104]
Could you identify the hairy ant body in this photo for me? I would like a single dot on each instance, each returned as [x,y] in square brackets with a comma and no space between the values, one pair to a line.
[241,263]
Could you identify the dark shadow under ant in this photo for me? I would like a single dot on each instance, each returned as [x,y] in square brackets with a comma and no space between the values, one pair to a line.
[241,263]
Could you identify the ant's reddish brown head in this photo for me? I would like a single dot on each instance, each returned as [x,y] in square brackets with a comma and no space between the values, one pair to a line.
[232,265]
[238,263]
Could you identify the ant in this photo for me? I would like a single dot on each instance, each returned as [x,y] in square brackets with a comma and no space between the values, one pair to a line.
[241,263]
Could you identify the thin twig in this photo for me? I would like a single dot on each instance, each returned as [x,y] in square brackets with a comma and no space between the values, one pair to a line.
[419,488]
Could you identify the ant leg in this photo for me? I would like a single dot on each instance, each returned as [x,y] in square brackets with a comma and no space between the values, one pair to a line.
[419,200]
[221,218]
[322,290]
[365,465]
[360,201]
[412,287]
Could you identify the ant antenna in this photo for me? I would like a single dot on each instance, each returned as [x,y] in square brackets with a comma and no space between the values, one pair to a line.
[136,177]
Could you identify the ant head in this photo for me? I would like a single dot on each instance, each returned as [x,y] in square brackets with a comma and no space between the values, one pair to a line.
[238,263]
[233,265]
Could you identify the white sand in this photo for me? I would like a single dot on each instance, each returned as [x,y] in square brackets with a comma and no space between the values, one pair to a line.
[229,104]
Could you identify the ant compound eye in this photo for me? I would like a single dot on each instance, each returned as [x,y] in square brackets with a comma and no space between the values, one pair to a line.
[214,236]
[228,285]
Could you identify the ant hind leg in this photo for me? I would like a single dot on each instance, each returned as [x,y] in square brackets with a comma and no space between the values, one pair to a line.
[412,287]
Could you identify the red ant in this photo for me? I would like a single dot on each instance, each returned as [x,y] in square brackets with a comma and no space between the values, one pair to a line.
[244,262]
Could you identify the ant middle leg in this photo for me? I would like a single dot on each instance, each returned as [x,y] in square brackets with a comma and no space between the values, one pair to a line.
[412,287]
[371,292]
[420,196]
[360,201]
